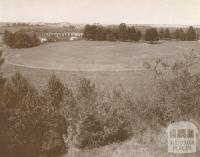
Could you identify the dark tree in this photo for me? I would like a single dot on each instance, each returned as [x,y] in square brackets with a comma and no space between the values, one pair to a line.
[100,33]
[133,35]
[151,35]
[9,38]
[179,34]
[138,36]
[111,35]
[161,34]
[21,39]
[87,34]
[191,34]
[123,33]
[176,34]
[167,34]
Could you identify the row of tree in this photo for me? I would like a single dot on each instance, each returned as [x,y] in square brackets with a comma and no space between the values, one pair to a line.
[122,33]
[126,33]
[21,39]
[164,34]
[189,34]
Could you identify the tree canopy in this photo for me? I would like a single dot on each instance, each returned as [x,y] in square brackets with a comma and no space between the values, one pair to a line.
[151,35]
[21,39]
[121,33]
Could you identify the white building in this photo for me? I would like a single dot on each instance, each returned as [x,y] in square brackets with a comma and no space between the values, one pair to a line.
[61,35]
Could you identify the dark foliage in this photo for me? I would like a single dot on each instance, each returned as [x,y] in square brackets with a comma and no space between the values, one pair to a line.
[188,35]
[151,35]
[21,39]
[122,33]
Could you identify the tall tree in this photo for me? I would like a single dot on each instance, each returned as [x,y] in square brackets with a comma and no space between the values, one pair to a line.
[191,34]
[8,38]
[123,33]
[151,35]
[133,35]
[161,34]
[182,34]
[87,32]
[100,33]
[138,36]
[167,34]
[111,35]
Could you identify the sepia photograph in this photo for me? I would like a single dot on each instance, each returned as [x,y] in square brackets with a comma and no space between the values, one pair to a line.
[99,78]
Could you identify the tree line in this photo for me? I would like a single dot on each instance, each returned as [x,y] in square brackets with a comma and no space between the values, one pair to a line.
[126,33]
[189,34]
[122,33]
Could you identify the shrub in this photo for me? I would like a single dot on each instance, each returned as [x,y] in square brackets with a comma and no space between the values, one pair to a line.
[177,91]
[94,127]
[54,104]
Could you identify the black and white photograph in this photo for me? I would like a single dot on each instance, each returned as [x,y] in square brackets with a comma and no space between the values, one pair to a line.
[99,78]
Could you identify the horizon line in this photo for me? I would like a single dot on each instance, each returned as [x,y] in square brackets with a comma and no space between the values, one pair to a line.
[76,23]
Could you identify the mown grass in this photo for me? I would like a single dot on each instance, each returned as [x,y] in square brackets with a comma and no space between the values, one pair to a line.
[91,55]
[98,56]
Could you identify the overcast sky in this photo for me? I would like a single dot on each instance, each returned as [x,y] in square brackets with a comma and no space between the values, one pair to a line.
[102,11]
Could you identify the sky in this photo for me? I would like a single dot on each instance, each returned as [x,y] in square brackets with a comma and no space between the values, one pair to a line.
[181,12]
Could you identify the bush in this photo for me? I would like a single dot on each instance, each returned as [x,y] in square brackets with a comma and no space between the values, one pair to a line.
[177,91]
[37,122]
[16,90]
[94,127]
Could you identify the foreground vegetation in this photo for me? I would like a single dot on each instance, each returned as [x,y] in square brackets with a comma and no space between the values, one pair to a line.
[49,121]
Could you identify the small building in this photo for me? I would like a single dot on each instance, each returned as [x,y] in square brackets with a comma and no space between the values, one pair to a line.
[59,36]
[74,38]
[43,39]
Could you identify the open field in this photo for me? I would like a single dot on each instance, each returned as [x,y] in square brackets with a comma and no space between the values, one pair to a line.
[105,63]
[97,56]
